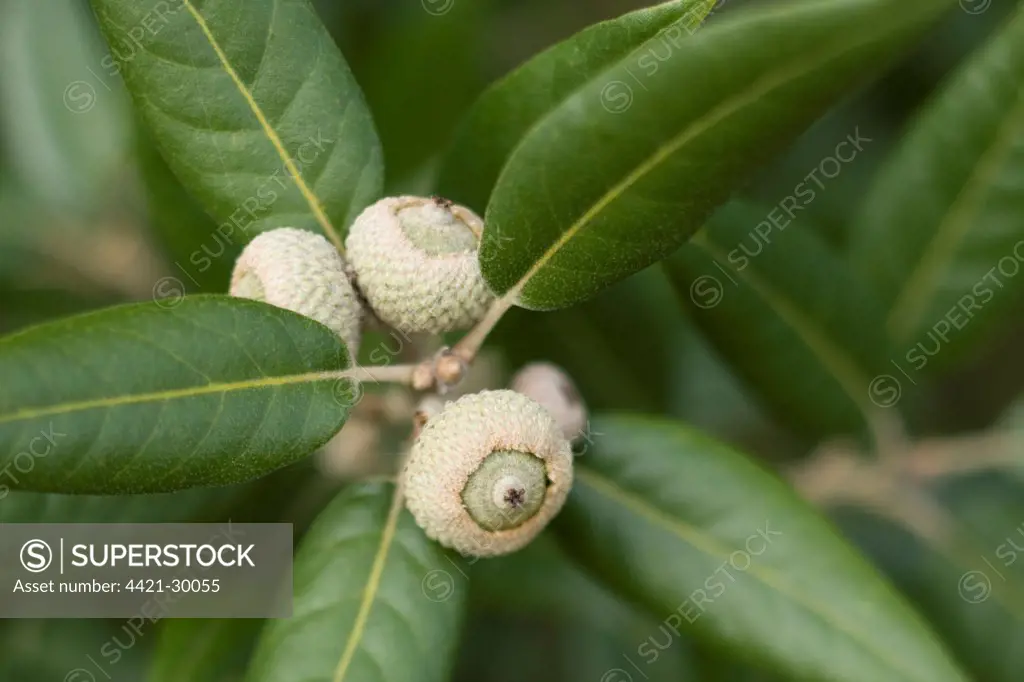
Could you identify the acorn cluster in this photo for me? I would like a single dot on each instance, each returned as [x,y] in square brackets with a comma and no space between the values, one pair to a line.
[412,260]
[487,471]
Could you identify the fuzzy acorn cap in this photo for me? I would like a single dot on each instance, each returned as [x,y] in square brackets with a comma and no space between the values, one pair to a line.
[300,271]
[488,473]
[550,386]
[415,261]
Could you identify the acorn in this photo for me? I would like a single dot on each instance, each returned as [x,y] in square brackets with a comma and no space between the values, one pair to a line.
[300,271]
[415,262]
[488,473]
[552,387]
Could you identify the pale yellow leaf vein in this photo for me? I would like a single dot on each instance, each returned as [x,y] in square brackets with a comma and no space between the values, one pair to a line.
[372,585]
[699,126]
[275,139]
[910,303]
[171,394]
[771,579]
[842,367]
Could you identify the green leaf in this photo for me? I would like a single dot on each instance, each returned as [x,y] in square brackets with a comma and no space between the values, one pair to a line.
[211,650]
[155,397]
[712,544]
[368,583]
[787,314]
[512,106]
[254,108]
[940,231]
[829,195]
[631,163]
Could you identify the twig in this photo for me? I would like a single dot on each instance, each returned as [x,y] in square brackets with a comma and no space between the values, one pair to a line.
[396,374]
[835,478]
[470,344]
[895,484]
[971,453]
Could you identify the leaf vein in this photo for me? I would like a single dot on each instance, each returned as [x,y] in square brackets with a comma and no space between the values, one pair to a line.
[372,585]
[709,545]
[691,130]
[314,202]
[909,304]
[169,394]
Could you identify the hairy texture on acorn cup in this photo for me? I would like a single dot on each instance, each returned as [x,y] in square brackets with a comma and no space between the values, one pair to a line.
[488,473]
[300,271]
[415,261]
[550,386]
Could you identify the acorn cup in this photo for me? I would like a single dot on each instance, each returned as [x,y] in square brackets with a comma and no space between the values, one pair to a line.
[488,473]
[300,271]
[415,262]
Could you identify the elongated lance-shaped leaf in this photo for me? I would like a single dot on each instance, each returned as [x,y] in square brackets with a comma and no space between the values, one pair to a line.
[374,599]
[629,166]
[182,392]
[253,106]
[509,108]
[788,315]
[714,545]
[941,230]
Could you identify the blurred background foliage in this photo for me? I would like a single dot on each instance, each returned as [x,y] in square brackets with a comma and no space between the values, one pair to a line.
[91,216]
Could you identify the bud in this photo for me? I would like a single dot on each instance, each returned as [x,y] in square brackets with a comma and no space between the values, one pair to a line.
[550,386]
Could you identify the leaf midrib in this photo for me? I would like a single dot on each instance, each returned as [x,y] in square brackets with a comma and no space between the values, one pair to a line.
[938,254]
[843,368]
[307,193]
[172,394]
[709,546]
[372,584]
[693,129]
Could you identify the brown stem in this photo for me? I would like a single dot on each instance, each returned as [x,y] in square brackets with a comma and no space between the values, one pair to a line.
[971,453]
[470,344]
[396,374]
